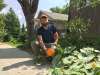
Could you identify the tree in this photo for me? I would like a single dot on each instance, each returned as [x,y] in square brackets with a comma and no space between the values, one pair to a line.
[12,23]
[2,25]
[29,8]
[22,35]
[74,6]
[56,9]
[94,3]
[23,29]
[2,5]
[63,10]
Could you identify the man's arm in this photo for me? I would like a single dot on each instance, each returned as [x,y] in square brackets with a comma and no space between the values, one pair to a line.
[40,40]
[56,37]
[41,43]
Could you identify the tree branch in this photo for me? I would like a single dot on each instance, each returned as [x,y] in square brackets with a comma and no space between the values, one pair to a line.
[20,1]
[34,5]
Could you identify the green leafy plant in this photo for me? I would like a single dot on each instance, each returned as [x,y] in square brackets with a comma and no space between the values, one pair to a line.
[83,62]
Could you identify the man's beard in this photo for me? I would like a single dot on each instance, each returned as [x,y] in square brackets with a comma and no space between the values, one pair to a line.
[44,24]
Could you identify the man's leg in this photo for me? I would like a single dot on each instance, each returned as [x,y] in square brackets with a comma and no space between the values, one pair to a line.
[36,50]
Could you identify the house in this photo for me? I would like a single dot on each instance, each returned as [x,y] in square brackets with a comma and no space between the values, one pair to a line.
[54,18]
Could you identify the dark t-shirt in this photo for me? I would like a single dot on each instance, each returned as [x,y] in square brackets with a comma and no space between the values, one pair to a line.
[47,34]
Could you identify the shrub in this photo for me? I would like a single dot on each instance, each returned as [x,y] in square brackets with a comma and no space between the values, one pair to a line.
[7,38]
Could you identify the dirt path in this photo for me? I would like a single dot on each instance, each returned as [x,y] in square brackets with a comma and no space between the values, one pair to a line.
[16,62]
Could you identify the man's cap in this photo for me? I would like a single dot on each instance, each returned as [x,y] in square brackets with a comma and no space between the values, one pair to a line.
[43,16]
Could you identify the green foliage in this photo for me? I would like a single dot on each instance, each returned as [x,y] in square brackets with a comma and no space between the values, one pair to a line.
[22,35]
[62,52]
[2,5]
[10,27]
[57,71]
[77,3]
[77,25]
[10,30]
[12,24]
[23,29]
[97,71]
[94,3]
[77,55]
[83,3]
[13,41]
[7,38]
[83,62]
[2,25]
[62,10]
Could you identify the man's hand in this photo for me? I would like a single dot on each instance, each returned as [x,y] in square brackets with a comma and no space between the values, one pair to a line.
[41,43]
[44,48]
[55,42]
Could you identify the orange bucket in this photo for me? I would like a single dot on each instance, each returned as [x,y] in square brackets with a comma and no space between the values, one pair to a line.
[50,52]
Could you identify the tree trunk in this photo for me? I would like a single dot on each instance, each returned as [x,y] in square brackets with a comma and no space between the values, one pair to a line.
[74,9]
[29,8]
[30,28]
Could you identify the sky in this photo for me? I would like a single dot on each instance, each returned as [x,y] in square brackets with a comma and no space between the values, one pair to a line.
[43,5]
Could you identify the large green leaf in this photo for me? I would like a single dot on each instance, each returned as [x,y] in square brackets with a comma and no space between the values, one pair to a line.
[78,63]
[97,71]
[68,60]
[57,71]
[56,59]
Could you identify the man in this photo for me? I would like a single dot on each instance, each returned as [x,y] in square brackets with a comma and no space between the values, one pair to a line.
[47,36]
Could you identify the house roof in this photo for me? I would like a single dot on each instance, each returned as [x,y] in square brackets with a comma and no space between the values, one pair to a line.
[54,16]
